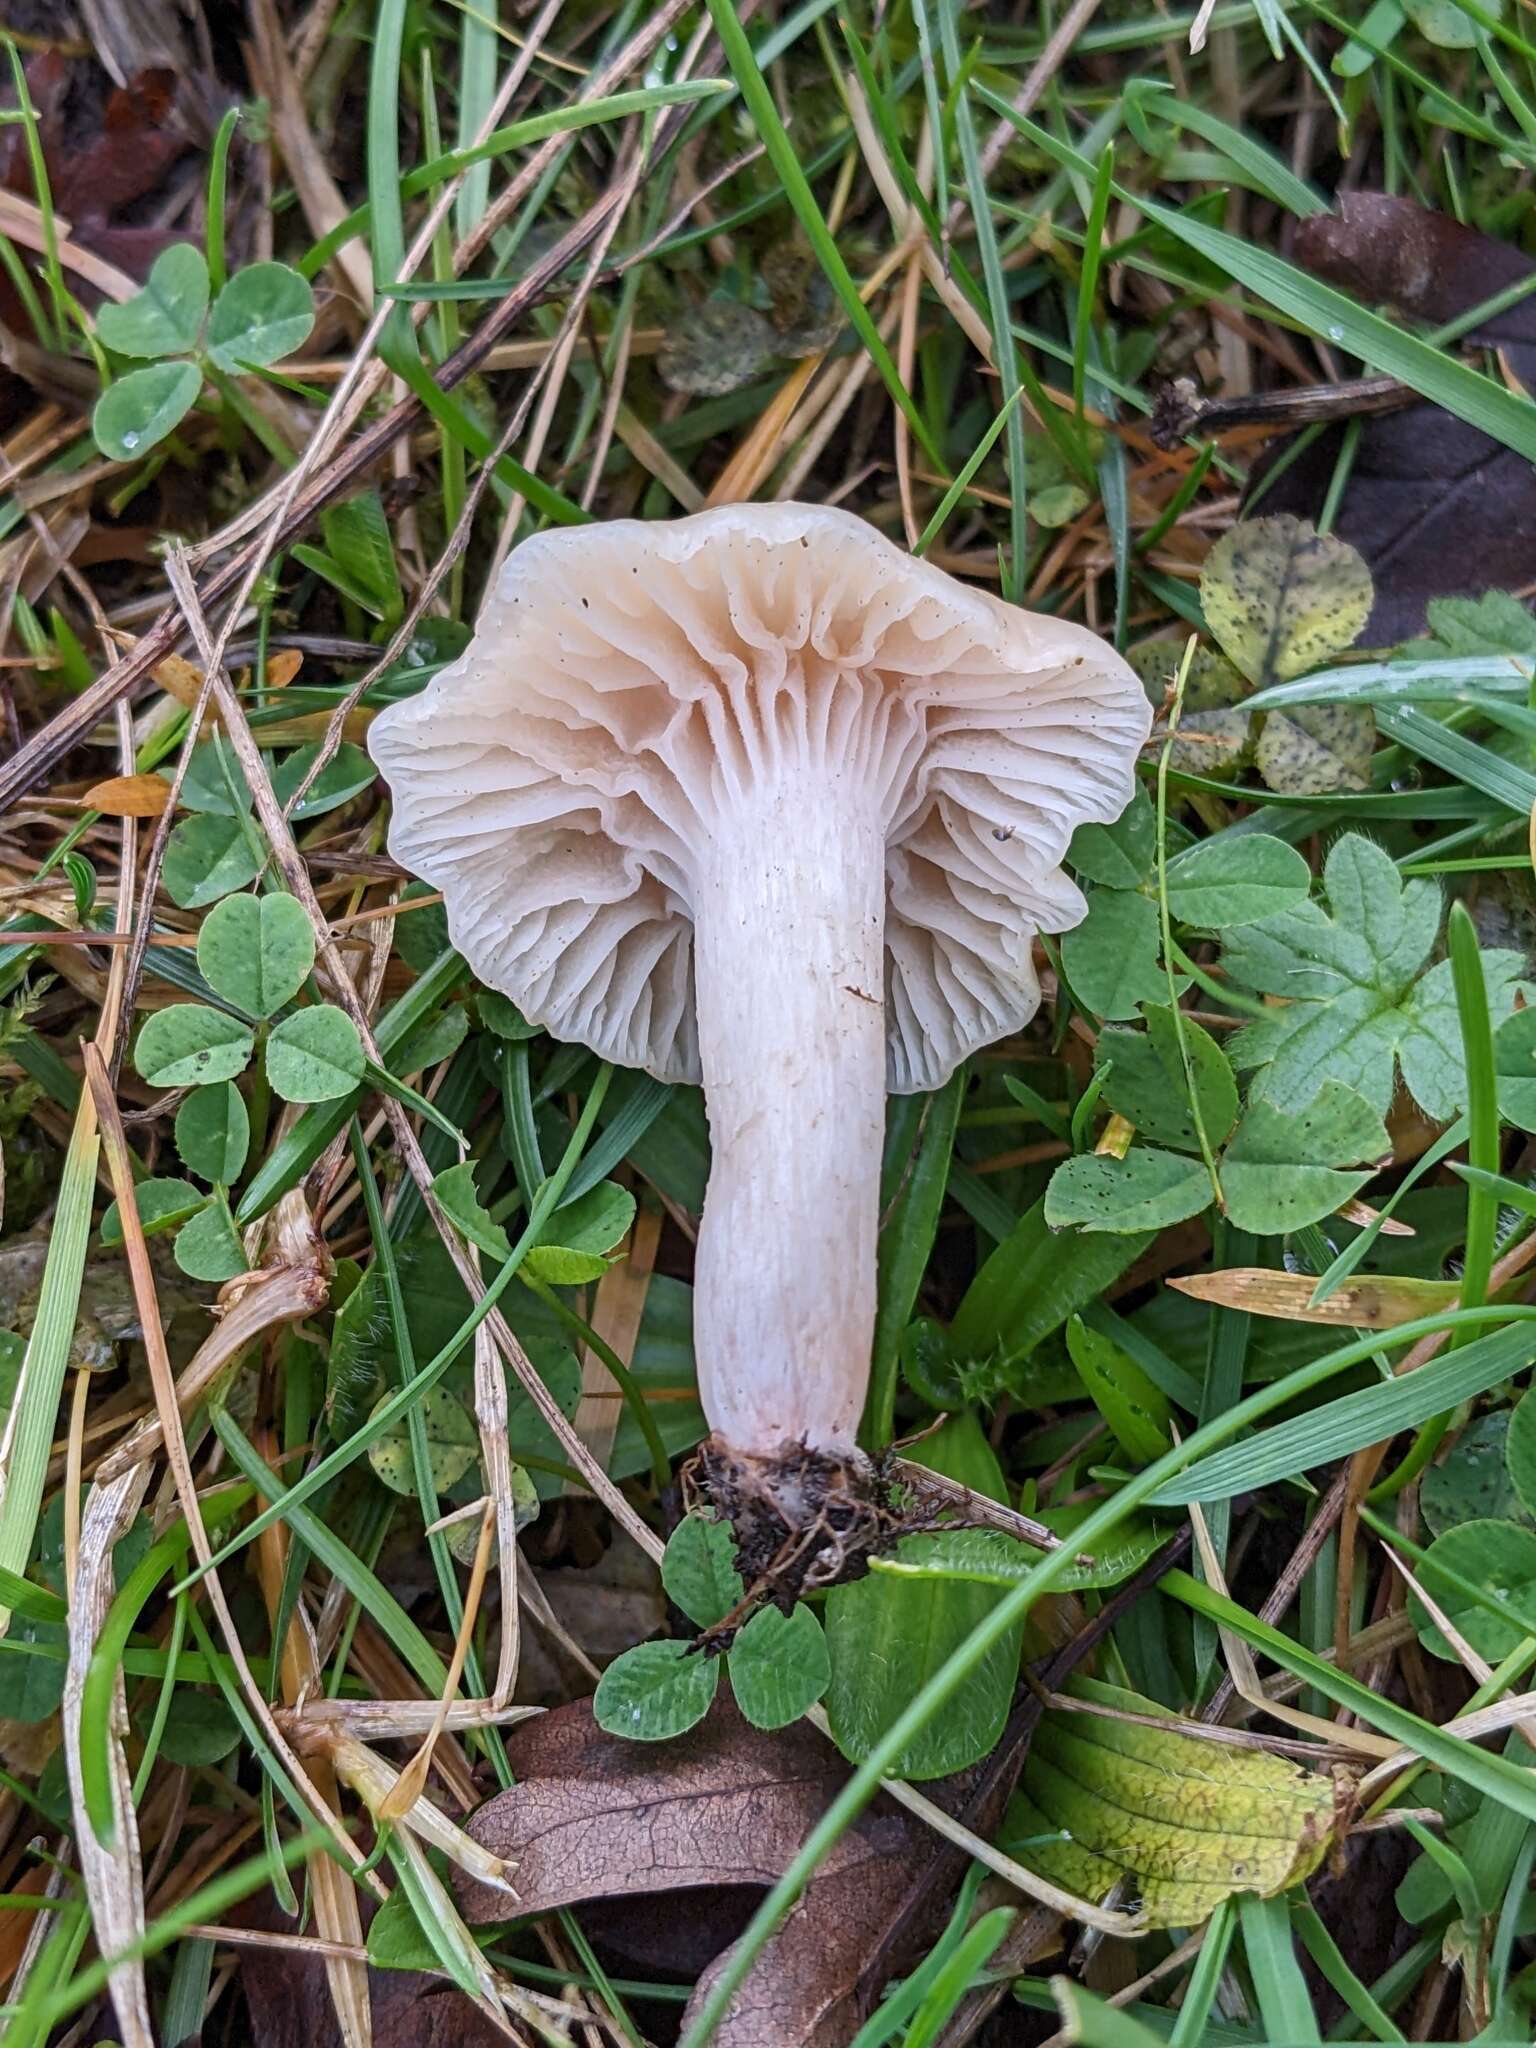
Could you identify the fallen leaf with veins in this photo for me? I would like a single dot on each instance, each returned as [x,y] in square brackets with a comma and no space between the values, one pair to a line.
[1436,508]
[718,1815]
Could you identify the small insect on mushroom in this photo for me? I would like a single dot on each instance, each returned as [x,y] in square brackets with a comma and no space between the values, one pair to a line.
[754,799]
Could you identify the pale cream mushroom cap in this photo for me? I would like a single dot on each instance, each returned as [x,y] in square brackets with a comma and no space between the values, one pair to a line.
[628,681]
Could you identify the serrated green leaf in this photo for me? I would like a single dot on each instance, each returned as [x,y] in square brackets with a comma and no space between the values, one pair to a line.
[256,951]
[452,1444]
[136,412]
[264,313]
[699,1571]
[161,1203]
[164,318]
[213,1133]
[190,1045]
[1282,598]
[655,1691]
[779,1666]
[1223,882]
[209,1248]
[206,857]
[315,1055]
[1280,1170]
[1146,1190]
[1358,1002]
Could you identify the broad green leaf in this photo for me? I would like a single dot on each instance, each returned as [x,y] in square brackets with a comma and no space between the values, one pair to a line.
[208,1247]
[165,317]
[1282,598]
[1358,1001]
[1146,1190]
[199,1730]
[358,557]
[395,1937]
[1222,882]
[136,412]
[1521,1452]
[699,1571]
[779,1666]
[1112,957]
[1146,1083]
[1136,1410]
[455,1189]
[341,779]
[438,1039]
[190,1045]
[162,1205]
[264,313]
[1031,1283]
[256,951]
[213,1133]
[1448,26]
[1514,1060]
[215,782]
[990,1557]
[1280,1170]
[580,1234]
[315,1055]
[1498,1558]
[1476,1480]
[1317,749]
[1179,1823]
[206,857]
[655,1691]
[1090,2022]
[887,1636]
[1121,855]
[452,1444]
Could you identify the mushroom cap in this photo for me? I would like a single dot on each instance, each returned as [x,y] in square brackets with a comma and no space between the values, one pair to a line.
[630,685]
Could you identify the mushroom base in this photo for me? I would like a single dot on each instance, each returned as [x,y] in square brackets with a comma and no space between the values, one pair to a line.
[803,1519]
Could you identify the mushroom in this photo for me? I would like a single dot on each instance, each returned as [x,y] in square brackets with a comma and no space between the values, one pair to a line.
[756,800]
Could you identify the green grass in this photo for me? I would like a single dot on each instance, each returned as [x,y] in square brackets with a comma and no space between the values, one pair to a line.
[1132,223]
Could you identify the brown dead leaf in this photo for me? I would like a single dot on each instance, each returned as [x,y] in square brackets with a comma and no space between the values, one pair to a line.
[179,679]
[717,1815]
[1375,1303]
[128,796]
[1436,508]
[283,667]
[289,2005]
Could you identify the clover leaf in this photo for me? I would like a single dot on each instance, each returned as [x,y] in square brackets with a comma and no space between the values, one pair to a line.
[1360,997]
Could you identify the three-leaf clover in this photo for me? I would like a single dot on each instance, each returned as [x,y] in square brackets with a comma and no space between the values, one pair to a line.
[262,314]
[778,1663]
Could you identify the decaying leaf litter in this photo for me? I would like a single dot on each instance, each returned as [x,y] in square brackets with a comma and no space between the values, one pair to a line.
[347,1314]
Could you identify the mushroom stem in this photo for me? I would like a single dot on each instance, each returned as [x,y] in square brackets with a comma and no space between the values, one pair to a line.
[789,933]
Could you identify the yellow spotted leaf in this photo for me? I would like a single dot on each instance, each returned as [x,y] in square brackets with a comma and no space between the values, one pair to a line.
[1179,1822]
[1282,598]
